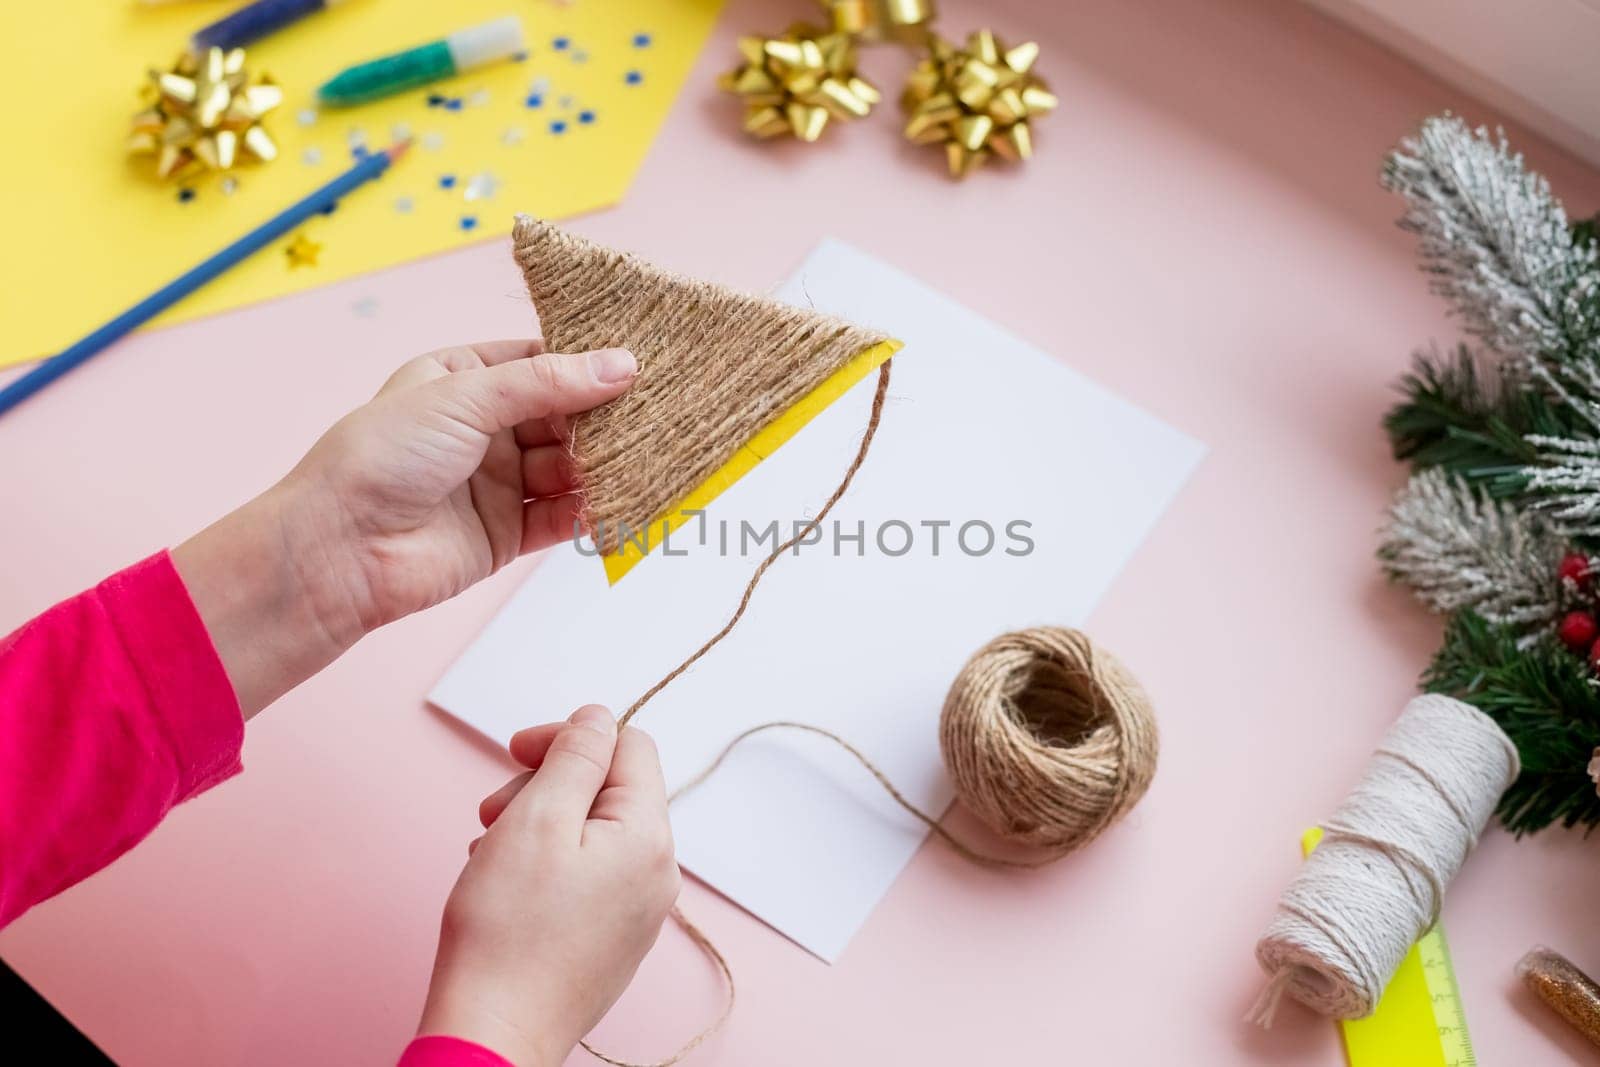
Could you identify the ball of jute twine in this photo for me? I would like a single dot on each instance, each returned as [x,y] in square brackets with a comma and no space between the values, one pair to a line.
[1048,739]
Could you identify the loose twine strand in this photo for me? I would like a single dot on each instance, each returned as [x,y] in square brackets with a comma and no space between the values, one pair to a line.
[704,944]
[695,934]
[777,553]
[1376,882]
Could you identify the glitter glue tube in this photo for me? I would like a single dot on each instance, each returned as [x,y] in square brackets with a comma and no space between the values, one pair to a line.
[1572,994]
[463,50]
[253,22]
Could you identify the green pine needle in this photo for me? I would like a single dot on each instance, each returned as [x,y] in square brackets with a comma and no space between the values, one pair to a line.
[1450,417]
[1547,701]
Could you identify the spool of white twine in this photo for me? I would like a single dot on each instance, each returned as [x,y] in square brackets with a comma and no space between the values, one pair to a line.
[1375,883]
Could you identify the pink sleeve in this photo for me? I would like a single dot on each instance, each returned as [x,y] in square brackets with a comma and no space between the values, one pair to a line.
[436,1050]
[113,708]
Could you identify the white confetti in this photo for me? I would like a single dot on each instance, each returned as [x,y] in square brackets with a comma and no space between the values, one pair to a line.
[229,185]
[539,86]
[357,137]
[307,116]
[566,102]
[478,98]
[580,56]
[481,186]
[404,204]
[311,156]
[433,141]
[513,135]
[400,131]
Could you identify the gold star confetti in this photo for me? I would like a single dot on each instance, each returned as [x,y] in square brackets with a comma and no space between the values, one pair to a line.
[977,101]
[797,82]
[302,251]
[204,112]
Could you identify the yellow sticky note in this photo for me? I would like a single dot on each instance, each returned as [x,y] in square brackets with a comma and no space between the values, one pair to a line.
[89,231]
[767,441]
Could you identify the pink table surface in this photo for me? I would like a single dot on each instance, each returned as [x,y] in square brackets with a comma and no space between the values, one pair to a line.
[1202,232]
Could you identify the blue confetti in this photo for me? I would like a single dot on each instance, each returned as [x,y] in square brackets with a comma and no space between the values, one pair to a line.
[534,100]
[436,100]
[633,77]
[453,104]
[447,181]
[586,117]
[560,44]
[558,126]
[469,222]
[641,40]
[185,195]
[360,152]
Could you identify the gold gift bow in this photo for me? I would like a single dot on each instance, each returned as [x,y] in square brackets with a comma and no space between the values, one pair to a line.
[204,110]
[796,82]
[977,101]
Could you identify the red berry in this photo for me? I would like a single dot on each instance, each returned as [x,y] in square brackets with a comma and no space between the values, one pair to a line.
[1594,656]
[1578,631]
[1575,568]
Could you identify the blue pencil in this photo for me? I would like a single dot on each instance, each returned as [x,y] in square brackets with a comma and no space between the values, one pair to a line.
[254,21]
[368,168]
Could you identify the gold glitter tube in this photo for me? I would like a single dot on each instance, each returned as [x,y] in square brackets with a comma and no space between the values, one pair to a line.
[1572,994]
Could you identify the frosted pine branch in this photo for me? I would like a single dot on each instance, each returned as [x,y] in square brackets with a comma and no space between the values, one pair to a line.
[1456,548]
[1577,386]
[1566,485]
[1497,244]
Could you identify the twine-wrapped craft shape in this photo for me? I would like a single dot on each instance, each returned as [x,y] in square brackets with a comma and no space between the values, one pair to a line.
[715,367]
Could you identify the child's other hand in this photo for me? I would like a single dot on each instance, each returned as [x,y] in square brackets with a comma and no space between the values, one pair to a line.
[561,897]
[454,469]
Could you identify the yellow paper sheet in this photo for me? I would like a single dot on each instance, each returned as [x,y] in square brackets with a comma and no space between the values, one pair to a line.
[88,232]
[767,441]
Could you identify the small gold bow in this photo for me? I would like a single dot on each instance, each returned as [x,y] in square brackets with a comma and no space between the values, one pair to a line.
[204,111]
[796,82]
[977,101]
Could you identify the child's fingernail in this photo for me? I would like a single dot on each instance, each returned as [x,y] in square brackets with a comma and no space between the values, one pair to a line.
[595,718]
[613,365]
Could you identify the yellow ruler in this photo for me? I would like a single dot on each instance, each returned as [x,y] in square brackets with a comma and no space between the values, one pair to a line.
[1419,1021]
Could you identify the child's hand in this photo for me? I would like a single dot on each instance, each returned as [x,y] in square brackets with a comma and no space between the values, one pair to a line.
[561,897]
[454,469]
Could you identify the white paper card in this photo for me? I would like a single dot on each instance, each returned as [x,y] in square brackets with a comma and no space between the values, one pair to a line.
[860,636]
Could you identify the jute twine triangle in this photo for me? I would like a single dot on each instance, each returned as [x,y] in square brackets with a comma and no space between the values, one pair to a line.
[715,367]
